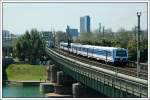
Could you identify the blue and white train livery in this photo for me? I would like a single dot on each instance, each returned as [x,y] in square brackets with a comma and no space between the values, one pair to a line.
[108,54]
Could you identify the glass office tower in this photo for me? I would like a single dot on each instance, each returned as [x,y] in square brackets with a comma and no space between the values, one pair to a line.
[85,24]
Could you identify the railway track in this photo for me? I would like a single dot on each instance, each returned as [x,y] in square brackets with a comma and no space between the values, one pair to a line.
[123,69]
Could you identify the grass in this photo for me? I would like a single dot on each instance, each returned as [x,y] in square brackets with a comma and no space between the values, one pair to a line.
[22,72]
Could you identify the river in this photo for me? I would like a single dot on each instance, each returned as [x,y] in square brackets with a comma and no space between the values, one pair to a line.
[18,91]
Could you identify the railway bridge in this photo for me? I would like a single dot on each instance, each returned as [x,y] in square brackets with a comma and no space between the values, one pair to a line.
[108,82]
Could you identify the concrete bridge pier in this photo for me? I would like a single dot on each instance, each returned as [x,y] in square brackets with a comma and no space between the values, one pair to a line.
[81,91]
[49,73]
[49,64]
[53,73]
[60,78]
[63,79]
[64,83]
[78,90]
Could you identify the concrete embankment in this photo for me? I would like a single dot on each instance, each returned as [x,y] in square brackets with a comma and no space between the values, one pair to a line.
[23,83]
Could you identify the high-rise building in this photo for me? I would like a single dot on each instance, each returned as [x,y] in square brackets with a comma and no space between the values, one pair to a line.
[84,24]
[72,32]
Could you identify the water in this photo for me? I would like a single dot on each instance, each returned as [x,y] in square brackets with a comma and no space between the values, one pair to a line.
[18,91]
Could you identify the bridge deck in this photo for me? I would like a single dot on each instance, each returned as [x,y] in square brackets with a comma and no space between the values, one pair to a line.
[114,79]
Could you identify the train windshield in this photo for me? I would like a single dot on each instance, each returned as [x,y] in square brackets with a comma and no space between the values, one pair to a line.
[121,53]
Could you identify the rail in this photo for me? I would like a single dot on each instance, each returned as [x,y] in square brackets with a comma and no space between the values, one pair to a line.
[125,70]
[126,83]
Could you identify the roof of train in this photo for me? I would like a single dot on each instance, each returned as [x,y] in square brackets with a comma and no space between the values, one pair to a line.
[97,47]
[93,46]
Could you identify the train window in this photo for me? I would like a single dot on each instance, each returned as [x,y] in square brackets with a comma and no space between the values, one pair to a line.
[84,49]
[99,52]
[78,48]
[103,53]
[90,50]
[121,53]
[109,54]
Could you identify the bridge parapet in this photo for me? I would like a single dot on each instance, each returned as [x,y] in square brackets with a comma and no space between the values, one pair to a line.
[108,82]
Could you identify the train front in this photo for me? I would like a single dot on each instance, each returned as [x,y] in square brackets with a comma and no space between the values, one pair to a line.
[121,56]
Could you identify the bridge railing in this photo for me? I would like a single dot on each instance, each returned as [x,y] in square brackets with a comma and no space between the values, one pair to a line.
[130,72]
[134,64]
[112,80]
[135,86]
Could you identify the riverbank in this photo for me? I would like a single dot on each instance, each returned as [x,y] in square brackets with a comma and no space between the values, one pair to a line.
[23,80]
[26,72]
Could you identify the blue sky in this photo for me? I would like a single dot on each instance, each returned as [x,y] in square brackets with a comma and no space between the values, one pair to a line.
[19,17]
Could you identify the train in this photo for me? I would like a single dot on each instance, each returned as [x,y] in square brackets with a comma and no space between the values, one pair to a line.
[110,55]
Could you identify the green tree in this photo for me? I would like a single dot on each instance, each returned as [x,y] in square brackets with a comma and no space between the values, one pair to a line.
[132,50]
[144,51]
[122,37]
[86,38]
[30,46]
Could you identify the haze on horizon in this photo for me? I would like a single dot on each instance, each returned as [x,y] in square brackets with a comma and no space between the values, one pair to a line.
[19,17]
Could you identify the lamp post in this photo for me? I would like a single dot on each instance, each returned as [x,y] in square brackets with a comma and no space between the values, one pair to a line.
[138,44]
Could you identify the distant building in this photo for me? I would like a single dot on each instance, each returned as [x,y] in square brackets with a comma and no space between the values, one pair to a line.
[85,24]
[7,36]
[7,41]
[72,32]
[48,37]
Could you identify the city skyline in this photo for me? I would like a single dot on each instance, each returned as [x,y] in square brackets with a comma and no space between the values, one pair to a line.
[45,16]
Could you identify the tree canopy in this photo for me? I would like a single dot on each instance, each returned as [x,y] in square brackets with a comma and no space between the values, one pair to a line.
[30,46]
[122,38]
